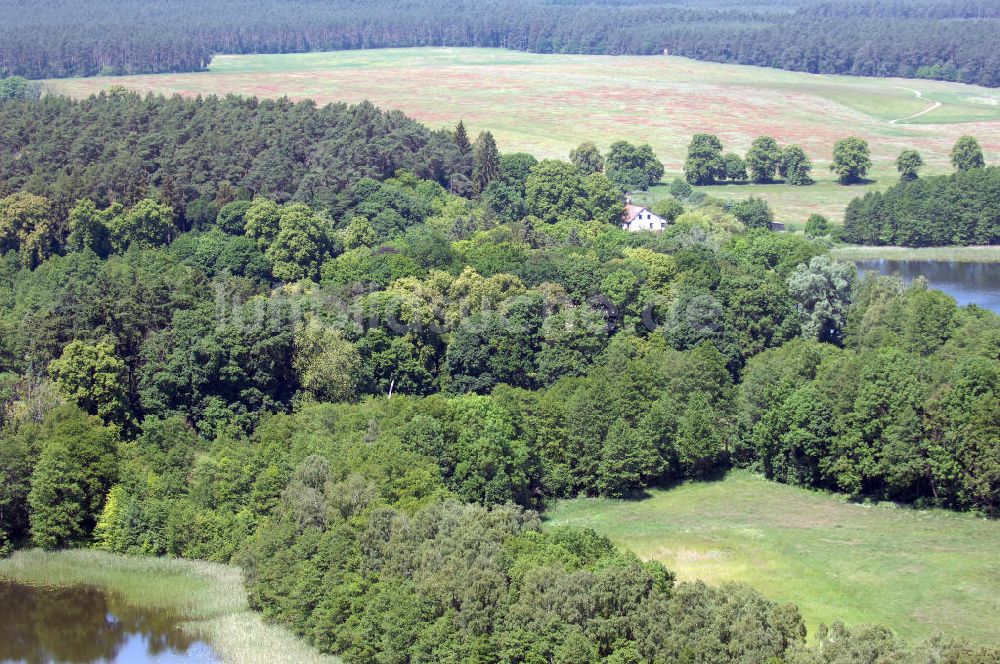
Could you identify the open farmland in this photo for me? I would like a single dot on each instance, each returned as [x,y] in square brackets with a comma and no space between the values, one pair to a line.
[916,571]
[546,104]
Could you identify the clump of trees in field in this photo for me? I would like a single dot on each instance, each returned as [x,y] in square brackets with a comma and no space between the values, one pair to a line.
[629,167]
[764,161]
[361,376]
[962,208]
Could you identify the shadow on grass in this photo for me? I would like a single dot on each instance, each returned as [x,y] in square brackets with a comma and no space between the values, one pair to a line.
[717,474]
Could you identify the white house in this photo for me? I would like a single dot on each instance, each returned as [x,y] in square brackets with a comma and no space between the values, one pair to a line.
[636,218]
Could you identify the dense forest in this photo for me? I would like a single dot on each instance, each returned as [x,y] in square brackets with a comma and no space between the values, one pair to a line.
[117,147]
[356,357]
[941,39]
[962,208]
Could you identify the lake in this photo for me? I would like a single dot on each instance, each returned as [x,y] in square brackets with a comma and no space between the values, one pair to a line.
[968,283]
[83,625]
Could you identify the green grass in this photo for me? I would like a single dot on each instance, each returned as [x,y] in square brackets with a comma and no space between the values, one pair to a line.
[917,571]
[792,205]
[980,254]
[208,597]
[547,104]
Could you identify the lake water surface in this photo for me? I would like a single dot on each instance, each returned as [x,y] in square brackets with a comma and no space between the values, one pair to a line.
[968,283]
[83,625]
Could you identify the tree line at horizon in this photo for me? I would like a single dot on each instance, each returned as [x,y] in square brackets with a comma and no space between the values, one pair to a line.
[939,39]
[197,360]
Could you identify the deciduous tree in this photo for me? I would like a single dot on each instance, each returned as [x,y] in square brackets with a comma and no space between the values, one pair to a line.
[704,163]
[908,163]
[967,154]
[851,159]
[795,166]
[763,159]
[587,158]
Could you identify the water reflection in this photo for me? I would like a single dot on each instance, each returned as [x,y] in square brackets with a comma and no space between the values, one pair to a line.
[968,283]
[82,625]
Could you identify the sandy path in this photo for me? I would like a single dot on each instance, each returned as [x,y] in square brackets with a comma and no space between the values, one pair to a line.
[919,95]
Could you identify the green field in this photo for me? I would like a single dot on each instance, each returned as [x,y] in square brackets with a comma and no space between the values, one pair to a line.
[916,571]
[208,596]
[979,254]
[547,104]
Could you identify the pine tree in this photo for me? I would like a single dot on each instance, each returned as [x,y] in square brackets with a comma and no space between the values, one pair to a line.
[486,161]
[462,138]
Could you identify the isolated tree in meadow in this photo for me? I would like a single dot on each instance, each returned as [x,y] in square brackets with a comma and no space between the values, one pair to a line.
[704,163]
[851,159]
[967,154]
[485,162]
[650,164]
[587,158]
[763,159]
[795,166]
[908,163]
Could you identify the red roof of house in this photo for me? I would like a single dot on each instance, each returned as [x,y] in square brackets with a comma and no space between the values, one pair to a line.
[631,211]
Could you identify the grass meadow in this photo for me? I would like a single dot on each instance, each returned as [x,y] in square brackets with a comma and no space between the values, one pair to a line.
[976,254]
[209,597]
[917,571]
[547,104]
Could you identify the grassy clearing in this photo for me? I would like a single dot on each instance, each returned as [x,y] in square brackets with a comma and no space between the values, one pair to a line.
[547,104]
[209,597]
[792,205]
[980,254]
[917,571]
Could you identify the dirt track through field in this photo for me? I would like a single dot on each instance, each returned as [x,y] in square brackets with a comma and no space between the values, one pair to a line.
[934,106]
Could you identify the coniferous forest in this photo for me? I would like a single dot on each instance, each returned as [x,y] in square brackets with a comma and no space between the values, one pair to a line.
[951,40]
[358,358]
